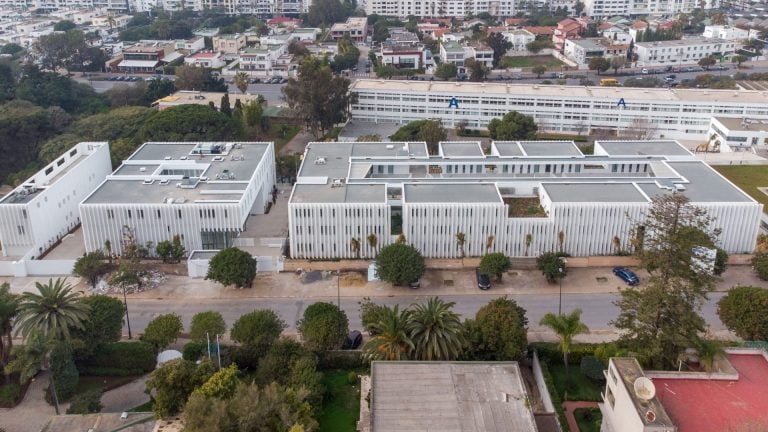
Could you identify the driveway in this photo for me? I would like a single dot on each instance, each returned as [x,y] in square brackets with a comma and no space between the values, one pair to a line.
[32,414]
[125,397]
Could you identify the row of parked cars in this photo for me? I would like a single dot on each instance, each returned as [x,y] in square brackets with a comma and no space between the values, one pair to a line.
[126,78]
[273,80]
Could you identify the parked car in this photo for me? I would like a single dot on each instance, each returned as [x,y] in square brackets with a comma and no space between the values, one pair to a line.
[255,81]
[353,340]
[645,71]
[483,281]
[415,284]
[671,77]
[626,275]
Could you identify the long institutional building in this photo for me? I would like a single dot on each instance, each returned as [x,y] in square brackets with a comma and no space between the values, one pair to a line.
[201,191]
[516,200]
[663,112]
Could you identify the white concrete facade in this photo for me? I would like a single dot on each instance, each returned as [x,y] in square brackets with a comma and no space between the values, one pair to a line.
[517,199]
[203,192]
[725,32]
[735,135]
[440,8]
[683,51]
[37,214]
[671,113]
[600,9]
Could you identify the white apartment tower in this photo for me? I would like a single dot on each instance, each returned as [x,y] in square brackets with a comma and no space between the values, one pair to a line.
[521,190]
[43,209]
[203,192]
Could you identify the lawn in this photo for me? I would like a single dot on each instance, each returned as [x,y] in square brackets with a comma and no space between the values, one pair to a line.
[588,419]
[574,386]
[341,406]
[145,407]
[749,178]
[102,383]
[282,133]
[531,61]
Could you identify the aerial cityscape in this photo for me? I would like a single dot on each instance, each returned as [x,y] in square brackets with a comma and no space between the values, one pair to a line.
[383,216]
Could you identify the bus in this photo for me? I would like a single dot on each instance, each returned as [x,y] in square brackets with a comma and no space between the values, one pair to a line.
[609,82]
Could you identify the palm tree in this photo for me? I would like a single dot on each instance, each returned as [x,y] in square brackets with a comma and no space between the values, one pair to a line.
[617,244]
[108,248]
[354,244]
[561,239]
[9,308]
[53,311]
[489,243]
[709,351]
[391,341]
[460,240]
[528,241]
[241,81]
[436,331]
[373,241]
[566,326]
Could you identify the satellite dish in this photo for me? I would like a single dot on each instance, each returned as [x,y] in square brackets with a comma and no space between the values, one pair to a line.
[644,388]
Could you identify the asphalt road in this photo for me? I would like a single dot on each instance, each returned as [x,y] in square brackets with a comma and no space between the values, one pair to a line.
[598,309]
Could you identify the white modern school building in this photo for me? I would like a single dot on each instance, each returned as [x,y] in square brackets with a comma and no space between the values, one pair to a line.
[663,112]
[201,191]
[44,209]
[516,200]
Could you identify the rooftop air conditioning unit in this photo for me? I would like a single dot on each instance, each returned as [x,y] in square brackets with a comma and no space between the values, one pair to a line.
[183,158]
[167,158]
[142,169]
[218,158]
[164,181]
[390,146]
[148,181]
[320,160]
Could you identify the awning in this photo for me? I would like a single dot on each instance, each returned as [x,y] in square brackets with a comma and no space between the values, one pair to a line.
[172,56]
[138,64]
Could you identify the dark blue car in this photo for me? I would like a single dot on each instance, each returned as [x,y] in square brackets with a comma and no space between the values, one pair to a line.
[626,275]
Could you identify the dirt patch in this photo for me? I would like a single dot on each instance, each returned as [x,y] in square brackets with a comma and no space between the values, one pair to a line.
[353,279]
[601,279]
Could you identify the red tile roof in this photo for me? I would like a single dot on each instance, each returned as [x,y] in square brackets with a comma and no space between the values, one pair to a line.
[540,30]
[283,20]
[514,21]
[700,405]
[639,25]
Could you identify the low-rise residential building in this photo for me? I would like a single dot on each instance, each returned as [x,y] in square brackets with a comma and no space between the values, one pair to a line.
[305,34]
[519,38]
[725,32]
[266,60]
[229,43]
[111,21]
[405,56]
[738,134]
[683,51]
[566,29]
[411,396]
[619,33]
[355,27]
[583,50]
[203,192]
[454,52]
[145,56]
[347,191]
[730,396]
[207,59]
[37,214]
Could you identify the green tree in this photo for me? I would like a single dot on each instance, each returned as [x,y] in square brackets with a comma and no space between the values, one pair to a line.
[430,131]
[319,99]
[221,384]
[390,339]
[565,326]
[707,62]
[323,327]
[446,71]
[436,331]
[88,402]
[9,308]
[28,359]
[171,251]
[241,81]
[252,113]
[53,311]
[399,264]
[599,64]
[224,106]
[103,325]
[370,314]
[205,324]
[744,311]
[63,369]
[760,265]
[495,264]
[11,49]
[197,78]
[91,266]
[49,89]
[662,318]
[539,70]
[500,45]
[232,266]
[498,332]
[385,71]
[173,382]
[617,63]
[163,330]
[260,328]
[324,13]
[157,89]
[189,123]
[552,266]
[513,126]
[739,59]
[477,70]
[64,25]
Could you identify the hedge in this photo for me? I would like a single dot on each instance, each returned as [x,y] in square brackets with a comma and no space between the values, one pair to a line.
[554,396]
[341,359]
[121,359]
[549,351]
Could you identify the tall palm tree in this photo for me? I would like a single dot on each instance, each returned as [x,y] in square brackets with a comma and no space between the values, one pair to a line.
[436,331]
[528,241]
[9,308]
[561,239]
[354,244]
[566,326]
[52,311]
[241,81]
[391,341]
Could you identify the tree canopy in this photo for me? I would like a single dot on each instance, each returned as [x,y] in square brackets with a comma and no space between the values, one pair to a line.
[513,126]
[399,264]
[323,327]
[499,331]
[430,131]
[232,266]
[495,264]
[260,328]
[207,324]
[189,123]
[744,311]
[163,330]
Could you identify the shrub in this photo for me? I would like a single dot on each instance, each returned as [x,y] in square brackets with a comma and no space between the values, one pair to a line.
[232,266]
[743,311]
[259,328]
[551,265]
[132,358]
[760,265]
[549,351]
[86,403]
[9,393]
[65,374]
[323,327]
[593,368]
[399,264]
[207,324]
[494,264]
[195,349]
[341,359]
[163,330]
[352,378]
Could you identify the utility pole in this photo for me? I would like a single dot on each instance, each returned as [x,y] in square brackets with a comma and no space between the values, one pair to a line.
[560,303]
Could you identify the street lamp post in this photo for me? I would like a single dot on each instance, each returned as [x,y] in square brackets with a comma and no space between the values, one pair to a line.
[127,318]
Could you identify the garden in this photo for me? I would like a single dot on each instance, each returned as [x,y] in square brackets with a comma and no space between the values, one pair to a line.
[531,61]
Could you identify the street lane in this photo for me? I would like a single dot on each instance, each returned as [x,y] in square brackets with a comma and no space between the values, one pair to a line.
[598,309]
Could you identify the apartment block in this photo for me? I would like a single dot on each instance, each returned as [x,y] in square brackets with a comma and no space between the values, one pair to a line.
[683,51]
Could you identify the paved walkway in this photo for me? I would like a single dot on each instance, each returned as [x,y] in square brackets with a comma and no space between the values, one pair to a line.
[297,143]
[569,406]
[32,414]
[125,397]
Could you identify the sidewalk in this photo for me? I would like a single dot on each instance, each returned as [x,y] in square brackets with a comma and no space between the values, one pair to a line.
[434,282]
